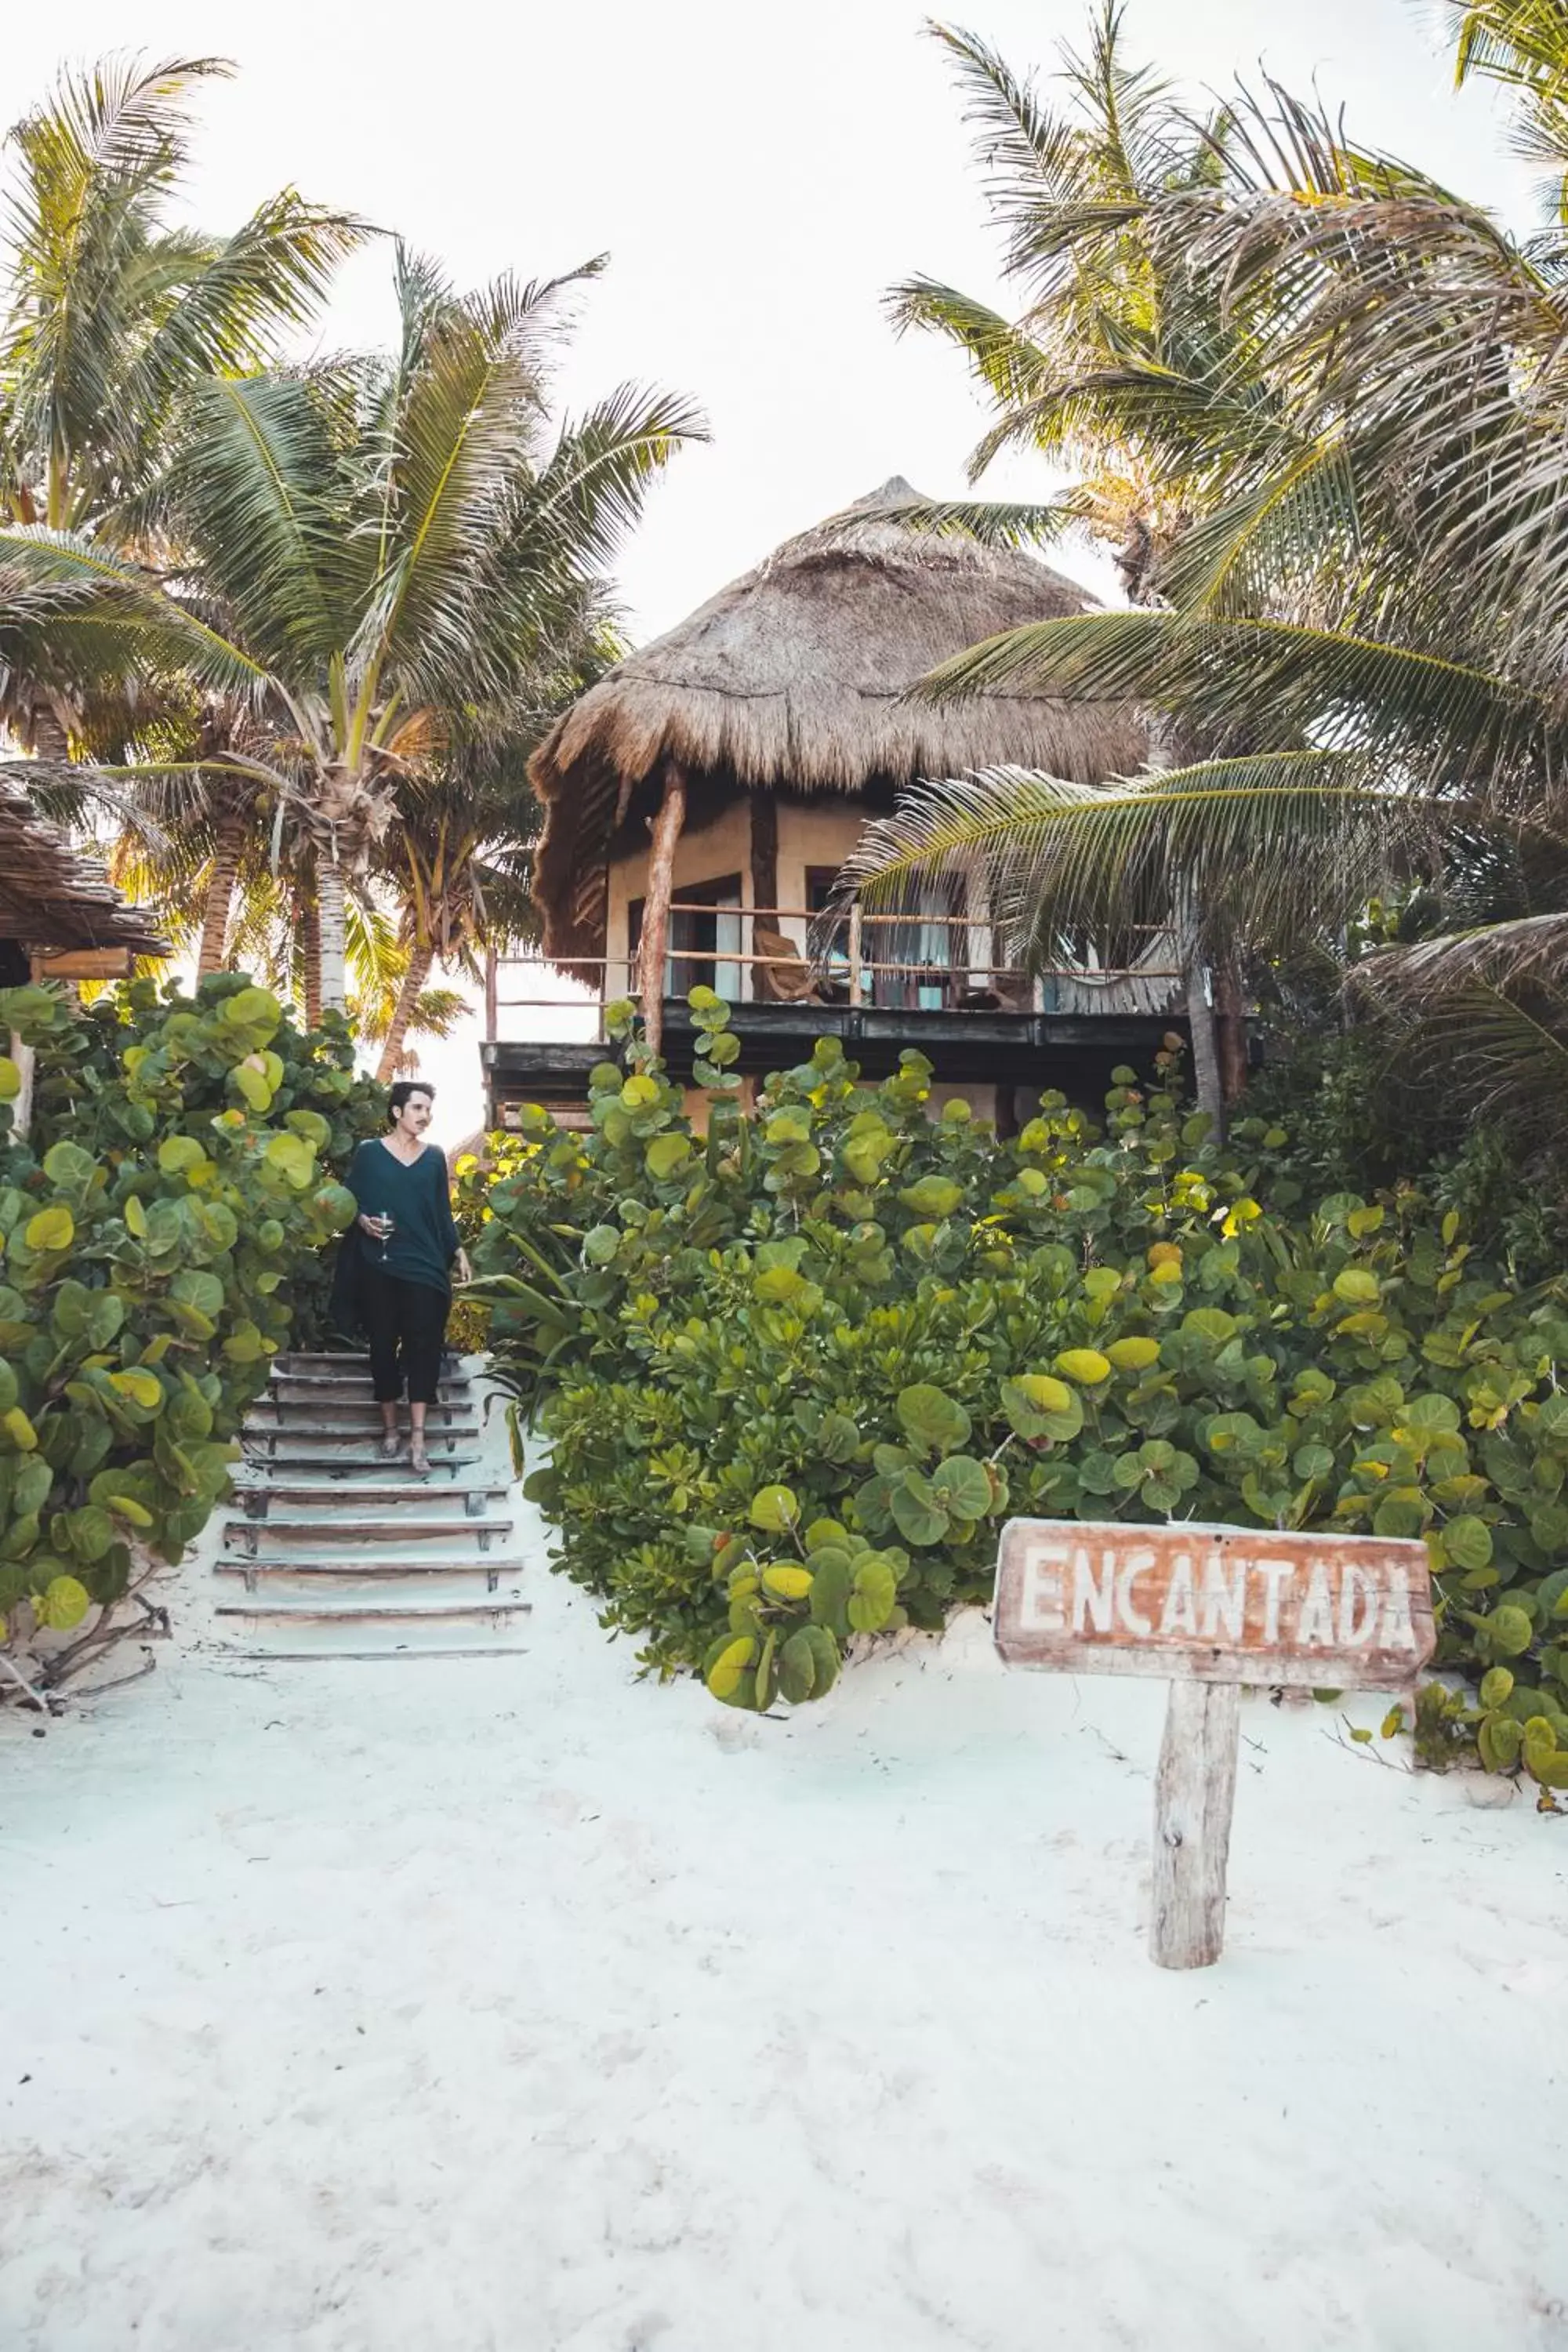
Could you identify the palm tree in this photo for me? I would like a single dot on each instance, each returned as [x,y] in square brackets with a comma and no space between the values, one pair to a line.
[1126,367]
[394,551]
[114,312]
[1364,629]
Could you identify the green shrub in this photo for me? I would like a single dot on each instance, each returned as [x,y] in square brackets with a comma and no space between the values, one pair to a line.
[796,1372]
[156,1229]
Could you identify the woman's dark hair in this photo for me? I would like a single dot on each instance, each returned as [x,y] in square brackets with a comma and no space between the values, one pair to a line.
[402,1092]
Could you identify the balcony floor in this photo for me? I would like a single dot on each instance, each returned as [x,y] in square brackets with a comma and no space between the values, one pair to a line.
[1074,1052]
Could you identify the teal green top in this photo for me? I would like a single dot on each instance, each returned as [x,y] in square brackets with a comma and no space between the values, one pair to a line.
[419,1194]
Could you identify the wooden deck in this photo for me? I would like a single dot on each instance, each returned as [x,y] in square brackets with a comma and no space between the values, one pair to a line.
[1076,1051]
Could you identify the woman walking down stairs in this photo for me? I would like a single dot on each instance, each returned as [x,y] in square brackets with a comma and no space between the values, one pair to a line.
[329,1551]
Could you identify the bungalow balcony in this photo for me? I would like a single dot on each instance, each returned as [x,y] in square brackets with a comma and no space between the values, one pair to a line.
[881,983]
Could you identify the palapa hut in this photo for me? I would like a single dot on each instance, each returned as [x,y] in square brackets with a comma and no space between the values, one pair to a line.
[60,915]
[701,798]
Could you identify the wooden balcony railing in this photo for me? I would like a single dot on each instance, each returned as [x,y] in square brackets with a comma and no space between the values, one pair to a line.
[911,962]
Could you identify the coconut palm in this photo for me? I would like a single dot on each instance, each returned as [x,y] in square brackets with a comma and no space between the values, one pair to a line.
[1373,669]
[1126,367]
[114,311]
[396,549]
[450,859]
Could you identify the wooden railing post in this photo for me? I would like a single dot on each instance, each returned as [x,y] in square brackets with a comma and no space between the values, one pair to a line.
[666,831]
[855,988]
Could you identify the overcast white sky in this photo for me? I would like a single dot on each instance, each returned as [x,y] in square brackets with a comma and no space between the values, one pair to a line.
[759,176]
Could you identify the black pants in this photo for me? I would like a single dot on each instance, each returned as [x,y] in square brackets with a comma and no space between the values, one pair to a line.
[407,1325]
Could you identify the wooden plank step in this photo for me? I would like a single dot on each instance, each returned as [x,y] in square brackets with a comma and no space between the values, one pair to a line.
[262,1492]
[353,1410]
[493,1566]
[328,1358]
[311,1389]
[350,1416]
[246,1533]
[371,1611]
[356,1360]
[354,1376]
[336,1658]
[348,1468]
[316,1428]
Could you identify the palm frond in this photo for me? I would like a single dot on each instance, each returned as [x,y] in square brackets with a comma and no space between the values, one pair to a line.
[1265,850]
[1438,721]
[258,489]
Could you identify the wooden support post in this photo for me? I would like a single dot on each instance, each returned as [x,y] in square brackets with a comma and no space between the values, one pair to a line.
[765,853]
[27,1060]
[854,984]
[666,831]
[1194,1791]
[492,995]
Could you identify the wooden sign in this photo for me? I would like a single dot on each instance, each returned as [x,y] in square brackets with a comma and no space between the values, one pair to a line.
[82,963]
[1208,1608]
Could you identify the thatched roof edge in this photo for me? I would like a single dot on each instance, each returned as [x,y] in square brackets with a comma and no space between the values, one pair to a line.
[51,896]
[795,678]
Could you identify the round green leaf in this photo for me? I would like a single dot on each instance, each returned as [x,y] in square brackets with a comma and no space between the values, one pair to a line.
[53,1228]
[62,1604]
[775,1508]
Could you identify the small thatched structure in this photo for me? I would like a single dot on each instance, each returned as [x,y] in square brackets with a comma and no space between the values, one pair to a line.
[792,681]
[52,897]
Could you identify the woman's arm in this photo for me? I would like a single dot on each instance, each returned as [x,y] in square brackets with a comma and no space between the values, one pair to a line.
[367,1221]
[456,1254]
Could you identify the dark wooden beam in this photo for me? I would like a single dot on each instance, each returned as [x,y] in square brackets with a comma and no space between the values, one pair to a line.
[764,850]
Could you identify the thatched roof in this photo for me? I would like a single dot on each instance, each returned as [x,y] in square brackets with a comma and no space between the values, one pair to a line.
[50,897]
[791,679]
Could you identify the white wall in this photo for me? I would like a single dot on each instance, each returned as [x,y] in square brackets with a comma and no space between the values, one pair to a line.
[811,832]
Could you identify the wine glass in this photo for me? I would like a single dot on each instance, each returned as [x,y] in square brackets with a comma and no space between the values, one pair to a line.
[388,1225]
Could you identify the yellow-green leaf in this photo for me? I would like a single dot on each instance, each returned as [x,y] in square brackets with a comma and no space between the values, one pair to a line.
[53,1228]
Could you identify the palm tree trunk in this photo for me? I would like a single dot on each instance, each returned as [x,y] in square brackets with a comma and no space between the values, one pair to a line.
[310,955]
[1206,1055]
[1230,1030]
[413,979]
[228,841]
[331,917]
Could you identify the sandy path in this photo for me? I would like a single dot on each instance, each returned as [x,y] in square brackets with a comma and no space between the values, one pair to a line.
[513,2006]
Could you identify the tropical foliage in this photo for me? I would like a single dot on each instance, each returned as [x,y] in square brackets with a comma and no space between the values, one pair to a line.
[1333,393]
[794,1373]
[161,1233]
[288,608]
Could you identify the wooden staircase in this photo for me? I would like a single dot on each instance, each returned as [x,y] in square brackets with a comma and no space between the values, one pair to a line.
[327,1551]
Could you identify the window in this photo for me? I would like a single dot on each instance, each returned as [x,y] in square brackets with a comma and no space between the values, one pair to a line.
[704,939]
[930,952]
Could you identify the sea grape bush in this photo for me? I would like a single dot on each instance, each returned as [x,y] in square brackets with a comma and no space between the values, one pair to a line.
[794,1372]
[155,1227]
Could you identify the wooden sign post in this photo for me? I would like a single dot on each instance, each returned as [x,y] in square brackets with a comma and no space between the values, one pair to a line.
[1208,1608]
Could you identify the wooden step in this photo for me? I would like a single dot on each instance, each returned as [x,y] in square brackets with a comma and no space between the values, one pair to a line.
[316,1429]
[309,1391]
[370,1612]
[254,1573]
[351,1416]
[348,1468]
[355,1359]
[336,1658]
[259,1493]
[246,1533]
[324,1359]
